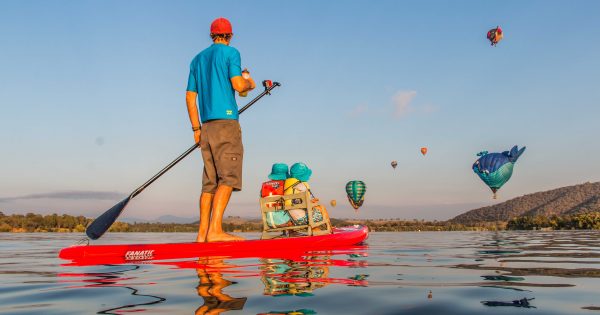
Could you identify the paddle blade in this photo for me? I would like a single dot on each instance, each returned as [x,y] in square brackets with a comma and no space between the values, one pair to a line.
[104,221]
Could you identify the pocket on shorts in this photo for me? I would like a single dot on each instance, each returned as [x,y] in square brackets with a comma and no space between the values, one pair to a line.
[232,158]
[232,168]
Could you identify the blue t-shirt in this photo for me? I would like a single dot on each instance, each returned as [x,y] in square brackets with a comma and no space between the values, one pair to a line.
[210,74]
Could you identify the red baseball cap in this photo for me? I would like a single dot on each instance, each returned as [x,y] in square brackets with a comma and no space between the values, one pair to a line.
[221,26]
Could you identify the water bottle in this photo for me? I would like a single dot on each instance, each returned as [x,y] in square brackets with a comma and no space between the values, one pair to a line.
[245,75]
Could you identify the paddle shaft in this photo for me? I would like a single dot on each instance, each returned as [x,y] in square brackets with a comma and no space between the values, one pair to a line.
[102,223]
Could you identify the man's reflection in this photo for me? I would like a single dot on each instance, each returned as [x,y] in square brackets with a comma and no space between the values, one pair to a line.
[291,312]
[210,288]
[524,302]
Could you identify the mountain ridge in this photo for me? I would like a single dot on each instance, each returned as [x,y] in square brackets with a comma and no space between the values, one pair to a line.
[568,200]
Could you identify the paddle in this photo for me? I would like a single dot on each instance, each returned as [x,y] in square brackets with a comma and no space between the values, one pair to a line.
[102,223]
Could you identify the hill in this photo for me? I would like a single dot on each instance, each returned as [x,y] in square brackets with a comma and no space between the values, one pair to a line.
[565,201]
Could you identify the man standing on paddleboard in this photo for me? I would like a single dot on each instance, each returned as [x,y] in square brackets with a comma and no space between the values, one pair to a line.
[215,75]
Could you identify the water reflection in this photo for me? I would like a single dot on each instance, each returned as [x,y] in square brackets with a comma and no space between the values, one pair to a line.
[408,273]
[113,279]
[524,302]
[291,312]
[299,276]
[130,308]
[503,247]
[289,277]
[502,278]
[210,288]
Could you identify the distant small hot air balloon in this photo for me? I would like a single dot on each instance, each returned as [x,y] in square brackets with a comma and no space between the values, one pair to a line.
[495,35]
[356,190]
[424,150]
[394,164]
[333,203]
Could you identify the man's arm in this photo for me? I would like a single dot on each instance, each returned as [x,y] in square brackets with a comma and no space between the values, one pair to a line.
[190,100]
[240,80]
[242,85]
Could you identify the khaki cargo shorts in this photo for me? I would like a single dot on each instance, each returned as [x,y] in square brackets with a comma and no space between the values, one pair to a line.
[222,152]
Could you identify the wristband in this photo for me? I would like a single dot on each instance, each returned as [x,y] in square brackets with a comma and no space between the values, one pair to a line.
[195,128]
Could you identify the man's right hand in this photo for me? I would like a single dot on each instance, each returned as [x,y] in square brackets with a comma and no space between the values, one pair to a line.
[197,136]
[246,75]
[241,84]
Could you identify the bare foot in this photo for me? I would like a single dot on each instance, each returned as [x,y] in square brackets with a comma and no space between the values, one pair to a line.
[201,237]
[223,237]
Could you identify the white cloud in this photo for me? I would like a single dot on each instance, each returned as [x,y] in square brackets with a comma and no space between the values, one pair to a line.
[73,195]
[402,102]
[429,108]
[359,110]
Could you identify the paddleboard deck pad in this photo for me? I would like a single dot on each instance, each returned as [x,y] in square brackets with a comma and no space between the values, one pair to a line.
[125,253]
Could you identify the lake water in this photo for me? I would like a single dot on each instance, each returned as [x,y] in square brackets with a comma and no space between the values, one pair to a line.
[393,273]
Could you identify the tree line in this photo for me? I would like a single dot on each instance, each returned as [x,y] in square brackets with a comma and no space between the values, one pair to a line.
[31,222]
[582,221]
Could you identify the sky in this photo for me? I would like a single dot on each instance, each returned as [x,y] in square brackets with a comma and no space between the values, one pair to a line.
[92,101]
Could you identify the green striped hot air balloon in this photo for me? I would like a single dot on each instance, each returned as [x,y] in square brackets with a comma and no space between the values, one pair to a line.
[356,190]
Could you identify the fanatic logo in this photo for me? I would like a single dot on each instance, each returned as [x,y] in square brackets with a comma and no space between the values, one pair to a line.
[139,254]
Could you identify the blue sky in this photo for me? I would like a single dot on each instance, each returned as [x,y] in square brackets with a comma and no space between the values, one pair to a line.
[92,100]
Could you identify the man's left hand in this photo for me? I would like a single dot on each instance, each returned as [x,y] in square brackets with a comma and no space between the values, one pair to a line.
[197,136]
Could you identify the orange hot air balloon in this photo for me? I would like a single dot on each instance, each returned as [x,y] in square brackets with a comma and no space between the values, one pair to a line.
[423,150]
[495,35]
[333,203]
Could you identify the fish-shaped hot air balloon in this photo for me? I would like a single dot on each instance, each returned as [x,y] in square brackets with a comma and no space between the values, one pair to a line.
[356,190]
[495,169]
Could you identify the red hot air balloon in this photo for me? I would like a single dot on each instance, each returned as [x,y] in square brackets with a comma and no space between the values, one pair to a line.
[495,35]
[423,150]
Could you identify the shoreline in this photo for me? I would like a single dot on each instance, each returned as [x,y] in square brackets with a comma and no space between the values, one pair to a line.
[32,223]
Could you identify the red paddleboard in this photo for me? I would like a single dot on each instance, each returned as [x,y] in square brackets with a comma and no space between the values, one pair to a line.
[124,253]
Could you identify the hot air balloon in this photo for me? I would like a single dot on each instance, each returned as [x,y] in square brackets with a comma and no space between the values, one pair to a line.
[356,190]
[495,169]
[394,164]
[495,35]
[333,203]
[424,150]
